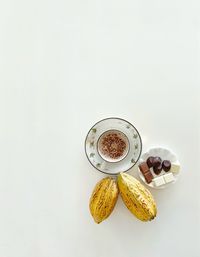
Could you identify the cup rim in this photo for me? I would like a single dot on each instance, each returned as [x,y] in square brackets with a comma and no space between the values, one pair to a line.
[120,159]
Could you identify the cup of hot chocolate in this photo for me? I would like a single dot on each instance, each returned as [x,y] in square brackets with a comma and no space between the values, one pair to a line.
[113,145]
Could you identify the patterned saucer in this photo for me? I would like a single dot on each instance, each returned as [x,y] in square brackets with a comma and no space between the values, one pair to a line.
[91,147]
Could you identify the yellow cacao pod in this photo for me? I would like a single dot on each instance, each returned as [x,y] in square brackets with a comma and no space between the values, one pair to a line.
[136,197]
[103,199]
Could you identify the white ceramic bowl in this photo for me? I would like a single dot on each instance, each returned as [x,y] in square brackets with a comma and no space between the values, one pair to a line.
[164,154]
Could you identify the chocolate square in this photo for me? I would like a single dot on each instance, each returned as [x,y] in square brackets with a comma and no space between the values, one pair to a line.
[148,177]
[144,167]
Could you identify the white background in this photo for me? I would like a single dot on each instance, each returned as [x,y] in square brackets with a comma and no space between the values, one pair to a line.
[64,65]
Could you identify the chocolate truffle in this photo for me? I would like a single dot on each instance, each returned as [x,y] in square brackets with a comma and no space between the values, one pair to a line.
[157,170]
[166,165]
[157,161]
[150,161]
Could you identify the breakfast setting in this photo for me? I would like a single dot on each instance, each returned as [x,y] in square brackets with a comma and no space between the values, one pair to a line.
[113,146]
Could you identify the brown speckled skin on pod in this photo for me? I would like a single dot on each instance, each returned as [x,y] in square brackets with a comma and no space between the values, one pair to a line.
[136,197]
[103,199]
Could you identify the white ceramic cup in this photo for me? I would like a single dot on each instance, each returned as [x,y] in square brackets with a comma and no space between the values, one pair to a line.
[121,136]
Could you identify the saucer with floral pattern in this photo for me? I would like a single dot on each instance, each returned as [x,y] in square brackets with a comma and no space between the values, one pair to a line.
[129,160]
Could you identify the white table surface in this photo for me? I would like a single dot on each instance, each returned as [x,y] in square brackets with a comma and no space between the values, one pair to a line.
[67,64]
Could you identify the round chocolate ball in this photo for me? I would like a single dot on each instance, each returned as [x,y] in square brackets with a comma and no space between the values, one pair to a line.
[157,170]
[150,161]
[166,165]
[157,161]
